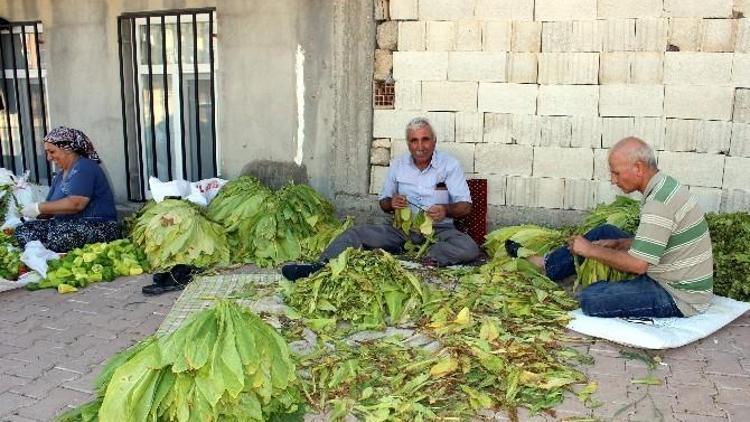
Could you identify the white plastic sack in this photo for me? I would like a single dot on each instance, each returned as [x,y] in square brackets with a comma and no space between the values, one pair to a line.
[207,188]
[35,256]
[24,192]
[160,190]
[201,192]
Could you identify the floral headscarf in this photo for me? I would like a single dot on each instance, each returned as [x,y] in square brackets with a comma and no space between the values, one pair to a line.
[72,140]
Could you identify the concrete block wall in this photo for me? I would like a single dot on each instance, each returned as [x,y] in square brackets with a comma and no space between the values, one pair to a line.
[532,94]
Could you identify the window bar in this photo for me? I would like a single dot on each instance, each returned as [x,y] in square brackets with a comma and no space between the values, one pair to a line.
[213,94]
[166,96]
[137,95]
[124,113]
[182,101]
[151,100]
[18,101]
[7,106]
[197,104]
[41,93]
[26,50]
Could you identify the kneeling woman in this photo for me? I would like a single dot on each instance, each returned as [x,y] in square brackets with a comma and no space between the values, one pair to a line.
[80,207]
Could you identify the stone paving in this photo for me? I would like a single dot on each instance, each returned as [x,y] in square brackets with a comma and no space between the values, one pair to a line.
[52,347]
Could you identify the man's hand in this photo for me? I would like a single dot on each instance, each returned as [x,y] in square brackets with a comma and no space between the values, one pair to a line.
[618,244]
[398,202]
[437,212]
[579,245]
[31,210]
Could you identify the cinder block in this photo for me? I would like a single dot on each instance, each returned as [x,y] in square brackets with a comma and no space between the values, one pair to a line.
[685,34]
[608,9]
[579,194]
[526,37]
[605,192]
[698,102]
[570,100]
[377,178]
[736,175]
[709,199]
[698,135]
[420,65]
[586,131]
[735,200]
[392,124]
[495,188]
[399,147]
[561,10]
[444,124]
[381,10]
[387,35]
[616,128]
[614,68]
[740,146]
[718,35]
[440,36]
[411,36]
[742,45]
[631,100]
[496,36]
[464,153]
[618,35]
[698,8]
[497,128]
[697,68]
[693,168]
[408,95]
[741,6]
[519,10]
[535,192]
[557,36]
[380,156]
[651,34]
[601,164]
[525,129]
[383,65]
[404,9]
[507,98]
[571,163]
[741,70]
[438,10]
[571,36]
[522,68]
[468,35]
[651,130]
[469,127]
[477,66]
[381,143]
[555,131]
[511,160]
[568,68]
[646,68]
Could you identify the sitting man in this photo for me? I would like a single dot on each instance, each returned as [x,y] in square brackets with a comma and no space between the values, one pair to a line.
[670,254]
[426,180]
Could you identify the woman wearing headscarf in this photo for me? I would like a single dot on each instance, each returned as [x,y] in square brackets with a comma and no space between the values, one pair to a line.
[80,207]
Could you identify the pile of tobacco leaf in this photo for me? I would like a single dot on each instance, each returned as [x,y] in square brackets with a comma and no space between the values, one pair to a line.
[730,237]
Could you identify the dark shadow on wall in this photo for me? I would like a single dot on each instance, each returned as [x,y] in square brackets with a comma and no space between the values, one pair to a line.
[276,174]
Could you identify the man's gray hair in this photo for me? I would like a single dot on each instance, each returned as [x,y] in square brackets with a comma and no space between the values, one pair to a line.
[639,150]
[418,123]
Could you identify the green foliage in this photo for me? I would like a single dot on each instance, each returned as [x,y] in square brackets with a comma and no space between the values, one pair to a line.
[623,212]
[534,240]
[591,271]
[730,237]
[421,223]
[10,261]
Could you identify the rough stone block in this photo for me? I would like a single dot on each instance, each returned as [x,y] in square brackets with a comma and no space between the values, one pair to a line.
[571,100]
[497,128]
[477,66]
[586,131]
[464,153]
[631,100]
[736,174]
[411,36]
[512,160]
[735,200]
[469,127]
[525,129]
[568,68]
[387,35]
[709,199]
[561,10]
[383,66]
[651,34]
[685,34]
[520,10]
[449,96]
[698,8]
[381,143]
[698,102]
[522,68]
[408,95]
[380,156]
[495,188]
[571,163]
[579,194]
[526,37]
[614,68]
[554,131]
[404,10]
[445,9]
[718,35]
[377,177]
[496,36]
[420,65]
[618,35]
[468,35]
[646,68]
[535,192]
[692,168]
[697,68]
[440,36]
[608,9]
[507,98]
[601,164]
[740,145]
[698,135]
[741,70]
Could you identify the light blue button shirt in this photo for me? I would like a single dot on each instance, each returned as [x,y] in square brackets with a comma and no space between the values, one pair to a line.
[419,185]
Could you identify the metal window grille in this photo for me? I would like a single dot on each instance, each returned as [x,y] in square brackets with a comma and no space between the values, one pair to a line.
[168,79]
[23,105]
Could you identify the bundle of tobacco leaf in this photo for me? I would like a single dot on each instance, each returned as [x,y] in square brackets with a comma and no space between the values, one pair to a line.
[623,212]
[534,240]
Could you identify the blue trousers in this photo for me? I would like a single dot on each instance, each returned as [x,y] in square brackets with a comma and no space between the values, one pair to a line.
[639,297]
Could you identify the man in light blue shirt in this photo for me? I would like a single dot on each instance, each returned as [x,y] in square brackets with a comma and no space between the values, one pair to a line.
[426,180]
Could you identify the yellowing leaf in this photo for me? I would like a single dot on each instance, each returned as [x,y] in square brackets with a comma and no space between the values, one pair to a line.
[65,288]
[444,367]
[463,317]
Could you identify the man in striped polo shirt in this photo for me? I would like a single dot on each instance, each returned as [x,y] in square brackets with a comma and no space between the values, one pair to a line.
[670,254]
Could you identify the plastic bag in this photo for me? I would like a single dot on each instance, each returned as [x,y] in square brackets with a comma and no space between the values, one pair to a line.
[24,193]
[35,256]
[201,192]
[160,190]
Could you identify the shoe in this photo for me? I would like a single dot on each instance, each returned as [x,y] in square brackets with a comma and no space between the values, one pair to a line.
[511,248]
[294,272]
[429,262]
[174,279]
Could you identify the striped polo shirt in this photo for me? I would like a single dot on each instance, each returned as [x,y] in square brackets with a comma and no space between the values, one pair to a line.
[673,238]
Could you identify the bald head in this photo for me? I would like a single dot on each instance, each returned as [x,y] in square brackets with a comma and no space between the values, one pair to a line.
[634,150]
